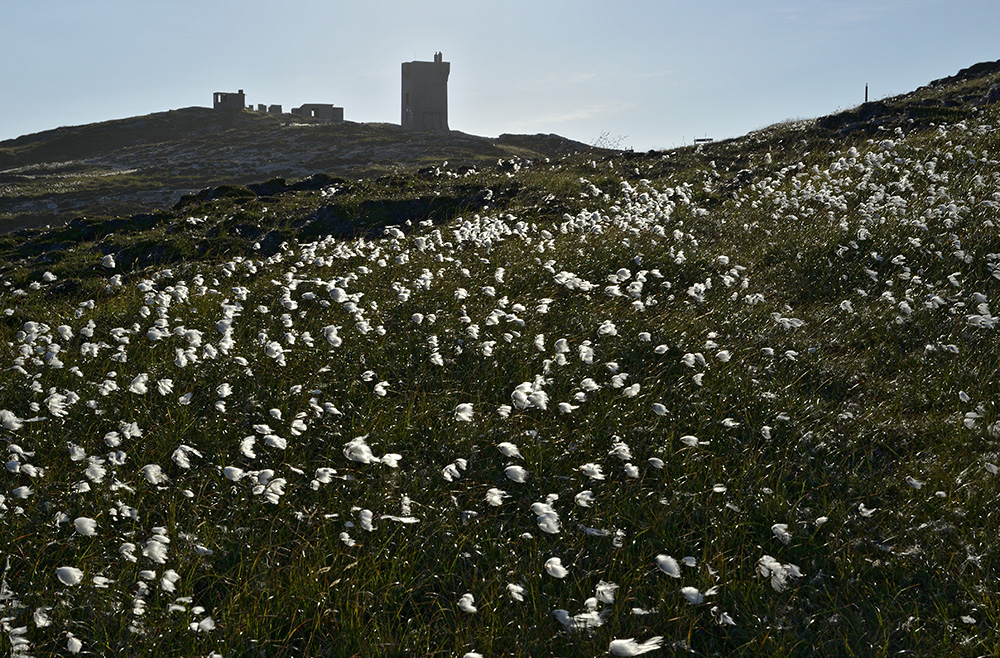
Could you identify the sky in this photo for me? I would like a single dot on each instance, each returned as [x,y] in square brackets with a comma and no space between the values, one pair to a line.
[642,74]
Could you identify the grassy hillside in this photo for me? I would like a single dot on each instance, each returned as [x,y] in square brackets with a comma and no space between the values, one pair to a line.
[732,401]
[136,165]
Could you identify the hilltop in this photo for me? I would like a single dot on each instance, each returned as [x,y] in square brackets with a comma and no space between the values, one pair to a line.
[137,165]
[730,400]
[128,166]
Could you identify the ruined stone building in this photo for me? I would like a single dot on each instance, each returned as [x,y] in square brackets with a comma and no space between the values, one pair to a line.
[236,102]
[425,95]
[322,111]
[228,101]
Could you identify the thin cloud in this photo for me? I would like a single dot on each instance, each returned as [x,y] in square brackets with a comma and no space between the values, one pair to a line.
[579,77]
[648,75]
[577,114]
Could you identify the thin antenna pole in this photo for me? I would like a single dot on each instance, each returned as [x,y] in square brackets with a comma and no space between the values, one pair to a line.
[866,92]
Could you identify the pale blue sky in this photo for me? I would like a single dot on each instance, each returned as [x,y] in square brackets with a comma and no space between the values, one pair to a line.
[654,73]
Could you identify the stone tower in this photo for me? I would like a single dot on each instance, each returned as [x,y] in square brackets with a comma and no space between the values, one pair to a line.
[425,95]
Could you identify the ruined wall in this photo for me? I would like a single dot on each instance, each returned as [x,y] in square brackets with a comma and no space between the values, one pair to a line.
[235,102]
[425,95]
[322,111]
[228,101]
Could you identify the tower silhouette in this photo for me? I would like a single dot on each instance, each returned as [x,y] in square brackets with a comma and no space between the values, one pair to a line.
[425,95]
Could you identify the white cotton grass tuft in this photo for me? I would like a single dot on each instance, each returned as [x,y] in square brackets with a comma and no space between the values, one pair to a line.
[516,473]
[463,412]
[780,532]
[692,595]
[510,450]
[154,474]
[156,550]
[529,395]
[454,470]
[233,473]
[516,591]
[275,441]
[168,583]
[127,551]
[69,575]
[605,592]
[554,567]
[592,471]
[358,451]
[41,617]
[246,447]
[467,604]
[9,421]
[584,621]
[95,471]
[780,574]
[629,647]
[668,565]
[585,498]
[85,526]
[365,518]
[203,626]
[496,496]
[546,517]
[607,328]
[621,450]
[722,618]
[182,456]
[73,644]
[138,385]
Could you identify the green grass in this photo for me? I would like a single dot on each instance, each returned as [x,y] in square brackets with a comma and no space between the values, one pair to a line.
[816,420]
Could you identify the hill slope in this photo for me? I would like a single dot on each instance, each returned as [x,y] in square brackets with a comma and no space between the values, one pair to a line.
[133,165]
[731,401]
